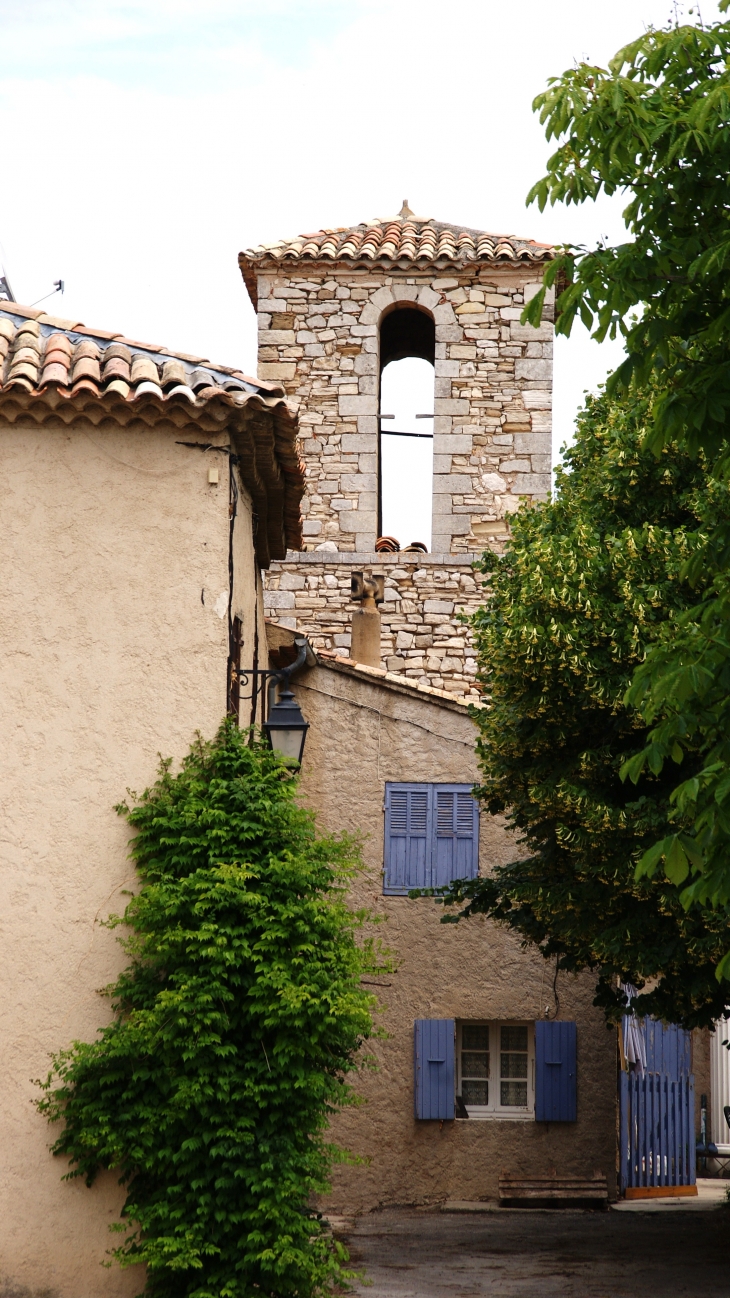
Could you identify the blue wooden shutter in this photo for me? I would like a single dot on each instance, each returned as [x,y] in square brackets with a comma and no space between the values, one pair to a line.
[434,1068]
[407,835]
[555,1071]
[455,851]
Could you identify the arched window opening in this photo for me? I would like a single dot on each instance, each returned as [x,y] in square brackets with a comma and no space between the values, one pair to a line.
[405,461]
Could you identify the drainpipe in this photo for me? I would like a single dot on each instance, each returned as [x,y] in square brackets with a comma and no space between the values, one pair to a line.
[368,592]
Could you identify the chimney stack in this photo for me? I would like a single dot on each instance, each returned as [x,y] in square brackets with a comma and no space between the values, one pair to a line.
[368,591]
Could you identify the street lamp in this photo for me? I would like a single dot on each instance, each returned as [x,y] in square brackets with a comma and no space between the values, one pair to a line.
[286,729]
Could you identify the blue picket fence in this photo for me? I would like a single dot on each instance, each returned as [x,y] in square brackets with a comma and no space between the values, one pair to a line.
[657,1130]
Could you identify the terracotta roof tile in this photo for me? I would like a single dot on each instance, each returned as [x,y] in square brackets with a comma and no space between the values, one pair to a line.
[57,343]
[116,367]
[173,372]
[25,353]
[144,368]
[54,370]
[86,367]
[405,240]
[148,385]
[31,342]
[35,321]
[118,350]
[86,348]
[181,390]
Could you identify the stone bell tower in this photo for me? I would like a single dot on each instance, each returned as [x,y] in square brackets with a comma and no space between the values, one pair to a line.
[333,308]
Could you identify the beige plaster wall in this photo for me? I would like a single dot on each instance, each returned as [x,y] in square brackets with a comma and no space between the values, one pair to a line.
[113,604]
[361,736]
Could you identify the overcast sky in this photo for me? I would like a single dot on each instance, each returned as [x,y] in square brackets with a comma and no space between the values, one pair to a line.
[145,143]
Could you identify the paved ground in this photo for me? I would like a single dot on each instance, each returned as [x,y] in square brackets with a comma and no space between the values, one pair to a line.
[408,1253]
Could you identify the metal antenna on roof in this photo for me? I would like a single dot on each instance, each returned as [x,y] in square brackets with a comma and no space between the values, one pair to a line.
[6,293]
[59,286]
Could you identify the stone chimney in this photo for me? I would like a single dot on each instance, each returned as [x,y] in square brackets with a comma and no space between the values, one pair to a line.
[368,591]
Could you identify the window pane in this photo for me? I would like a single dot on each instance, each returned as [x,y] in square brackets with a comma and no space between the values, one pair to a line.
[514,1093]
[476,1065]
[513,1066]
[475,1036]
[475,1092]
[514,1038]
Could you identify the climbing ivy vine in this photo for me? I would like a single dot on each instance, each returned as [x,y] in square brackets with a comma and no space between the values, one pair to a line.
[235,1026]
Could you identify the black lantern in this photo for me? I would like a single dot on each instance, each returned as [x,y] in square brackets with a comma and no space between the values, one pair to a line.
[286,728]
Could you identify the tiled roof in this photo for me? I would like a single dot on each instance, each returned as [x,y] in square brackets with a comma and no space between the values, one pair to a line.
[37,349]
[405,240]
[53,368]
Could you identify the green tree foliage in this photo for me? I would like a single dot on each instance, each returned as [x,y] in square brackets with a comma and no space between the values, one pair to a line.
[656,124]
[585,586]
[235,1026]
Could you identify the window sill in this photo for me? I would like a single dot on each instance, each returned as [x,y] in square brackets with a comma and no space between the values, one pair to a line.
[498,1117]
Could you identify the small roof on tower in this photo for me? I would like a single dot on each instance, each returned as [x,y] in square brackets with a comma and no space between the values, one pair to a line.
[404,241]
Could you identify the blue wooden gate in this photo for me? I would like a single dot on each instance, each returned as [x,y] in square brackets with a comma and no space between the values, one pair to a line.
[657,1113]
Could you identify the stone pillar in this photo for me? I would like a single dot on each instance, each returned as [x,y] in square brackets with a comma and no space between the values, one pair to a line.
[365,646]
[366,636]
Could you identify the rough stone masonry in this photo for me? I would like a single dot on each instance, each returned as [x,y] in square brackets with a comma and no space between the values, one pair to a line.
[321,300]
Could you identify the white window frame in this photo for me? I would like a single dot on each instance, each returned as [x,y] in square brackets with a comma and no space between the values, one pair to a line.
[496,1110]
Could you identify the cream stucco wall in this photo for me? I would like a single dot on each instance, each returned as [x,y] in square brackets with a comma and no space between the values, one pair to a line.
[361,736]
[114,612]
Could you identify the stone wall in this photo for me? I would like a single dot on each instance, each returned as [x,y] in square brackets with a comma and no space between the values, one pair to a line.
[422,636]
[319,336]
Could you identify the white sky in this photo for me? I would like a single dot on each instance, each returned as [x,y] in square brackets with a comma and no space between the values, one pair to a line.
[145,143]
[406,463]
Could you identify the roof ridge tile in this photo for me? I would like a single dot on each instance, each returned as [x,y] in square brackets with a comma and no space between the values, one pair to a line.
[400,241]
[399,238]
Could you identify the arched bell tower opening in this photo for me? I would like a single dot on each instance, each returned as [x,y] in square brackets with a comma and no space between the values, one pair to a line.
[407,355]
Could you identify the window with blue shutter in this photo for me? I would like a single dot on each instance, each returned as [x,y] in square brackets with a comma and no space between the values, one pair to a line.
[433,1063]
[456,842]
[407,835]
[431,836]
[555,1071]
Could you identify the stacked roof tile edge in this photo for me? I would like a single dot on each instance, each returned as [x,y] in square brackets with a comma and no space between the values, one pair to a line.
[400,242]
[60,368]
